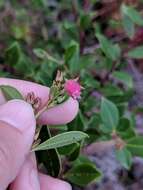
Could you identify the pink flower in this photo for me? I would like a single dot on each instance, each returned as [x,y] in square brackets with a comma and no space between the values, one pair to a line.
[73,88]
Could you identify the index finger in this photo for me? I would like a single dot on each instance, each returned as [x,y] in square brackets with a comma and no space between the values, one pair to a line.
[60,114]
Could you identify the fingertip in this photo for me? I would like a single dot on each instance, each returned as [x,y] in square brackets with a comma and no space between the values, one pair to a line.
[25,87]
[50,183]
[27,178]
[18,114]
[60,114]
[17,128]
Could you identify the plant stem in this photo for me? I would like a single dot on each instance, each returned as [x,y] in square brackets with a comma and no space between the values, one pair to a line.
[41,111]
[44,108]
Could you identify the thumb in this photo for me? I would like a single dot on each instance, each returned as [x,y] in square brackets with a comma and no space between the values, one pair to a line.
[17,127]
[27,178]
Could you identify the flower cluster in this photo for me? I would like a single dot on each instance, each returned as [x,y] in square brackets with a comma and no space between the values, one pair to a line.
[61,90]
[73,88]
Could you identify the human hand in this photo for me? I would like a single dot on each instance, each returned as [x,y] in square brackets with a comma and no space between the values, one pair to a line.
[17,128]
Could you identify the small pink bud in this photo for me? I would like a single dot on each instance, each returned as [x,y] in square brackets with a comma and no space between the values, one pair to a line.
[73,88]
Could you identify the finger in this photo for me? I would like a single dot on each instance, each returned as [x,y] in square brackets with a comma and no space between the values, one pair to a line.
[61,114]
[25,87]
[50,183]
[17,127]
[27,178]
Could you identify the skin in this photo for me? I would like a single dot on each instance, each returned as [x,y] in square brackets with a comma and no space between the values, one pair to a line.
[17,128]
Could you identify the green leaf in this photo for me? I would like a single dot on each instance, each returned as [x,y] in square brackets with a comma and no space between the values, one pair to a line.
[72,56]
[71,31]
[129,26]
[49,158]
[90,82]
[40,53]
[85,20]
[133,14]
[125,97]
[111,51]
[62,139]
[68,149]
[82,159]
[16,58]
[135,146]
[124,157]
[13,54]
[109,114]
[123,77]
[51,161]
[136,53]
[70,51]
[79,123]
[25,66]
[75,153]
[83,174]
[125,130]
[111,90]
[10,92]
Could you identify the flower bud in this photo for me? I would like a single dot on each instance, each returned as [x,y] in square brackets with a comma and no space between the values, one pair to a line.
[73,88]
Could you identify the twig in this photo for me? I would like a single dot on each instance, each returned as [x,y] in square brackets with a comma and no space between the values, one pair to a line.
[44,108]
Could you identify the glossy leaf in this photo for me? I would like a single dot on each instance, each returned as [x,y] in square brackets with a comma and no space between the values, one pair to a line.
[83,174]
[109,114]
[62,139]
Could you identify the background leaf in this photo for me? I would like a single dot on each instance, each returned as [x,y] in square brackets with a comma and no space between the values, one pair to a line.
[124,157]
[132,14]
[109,114]
[135,146]
[83,174]
[49,158]
[124,77]
[136,53]
[110,50]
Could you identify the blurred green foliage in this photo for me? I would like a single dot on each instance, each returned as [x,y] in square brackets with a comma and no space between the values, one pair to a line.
[38,37]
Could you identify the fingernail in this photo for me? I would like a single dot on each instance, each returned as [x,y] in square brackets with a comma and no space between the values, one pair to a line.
[18,114]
